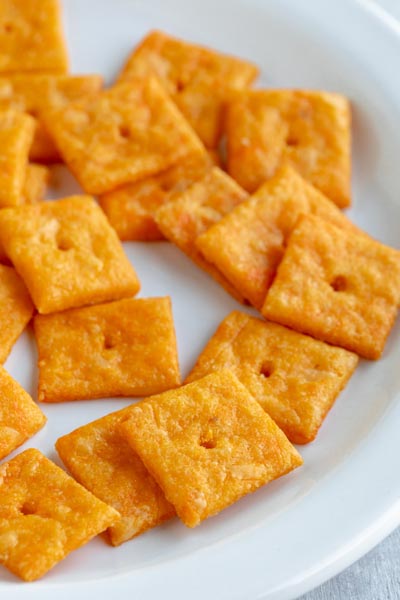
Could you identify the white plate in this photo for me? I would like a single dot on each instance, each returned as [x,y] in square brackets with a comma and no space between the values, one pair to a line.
[304,528]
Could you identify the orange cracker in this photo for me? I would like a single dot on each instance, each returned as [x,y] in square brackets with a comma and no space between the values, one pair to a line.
[337,286]
[124,134]
[16,309]
[35,184]
[38,93]
[199,79]
[44,515]
[309,130]
[16,134]
[31,37]
[193,211]
[123,348]
[131,208]
[20,417]
[67,253]
[101,460]
[295,378]
[208,444]
[247,245]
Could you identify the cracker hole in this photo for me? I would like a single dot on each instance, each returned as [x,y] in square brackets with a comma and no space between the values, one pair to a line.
[108,343]
[8,28]
[33,113]
[207,444]
[124,132]
[267,369]
[292,140]
[27,509]
[339,283]
[180,86]
[63,245]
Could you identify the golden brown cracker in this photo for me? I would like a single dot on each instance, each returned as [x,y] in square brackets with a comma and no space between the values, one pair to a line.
[193,211]
[16,309]
[199,80]
[248,243]
[126,133]
[35,184]
[310,130]
[39,93]
[337,286]
[67,253]
[295,378]
[208,444]
[44,515]
[131,208]
[20,417]
[31,37]
[123,348]
[101,460]
[16,134]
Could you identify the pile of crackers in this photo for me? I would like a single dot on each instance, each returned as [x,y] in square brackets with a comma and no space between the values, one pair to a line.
[250,184]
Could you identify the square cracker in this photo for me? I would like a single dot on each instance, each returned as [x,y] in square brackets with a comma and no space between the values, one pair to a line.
[40,92]
[309,130]
[123,348]
[131,208]
[44,515]
[295,378]
[103,462]
[16,309]
[67,253]
[208,444]
[35,184]
[193,211]
[337,286]
[124,134]
[20,417]
[31,37]
[16,135]
[199,79]
[247,245]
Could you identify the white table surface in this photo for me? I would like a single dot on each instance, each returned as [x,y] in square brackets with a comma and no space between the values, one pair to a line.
[376,576]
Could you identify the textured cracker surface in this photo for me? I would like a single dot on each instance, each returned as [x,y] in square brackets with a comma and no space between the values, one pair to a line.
[103,462]
[20,417]
[16,309]
[309,130]
[41,92]
[131,208]
[123,134]
[198,79]
[31,37]
[208,444]
[67,253]
[193,211]
[44,515]
[247,244]
[123,348]
[295,378]
[35,184]
[337,286]
[16,135]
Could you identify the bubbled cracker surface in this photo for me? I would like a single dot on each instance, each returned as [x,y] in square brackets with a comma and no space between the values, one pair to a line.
[67,253]
[248,243]
[208,444]
[193,211]
[124,134]
[44,515]
[309,130]
[101,460]
[338,286]
[31,37]
[41,92]
[124,348]
[294,378]
[20,417]
[200,80]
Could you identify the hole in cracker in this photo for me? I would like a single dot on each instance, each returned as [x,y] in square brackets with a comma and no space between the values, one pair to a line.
[267,369]
[339,283]
[180,86]
[27,509]
[33,113]
[109,343]
[208,444]
[124,132]
[63,245]
[292,140]
[8,27]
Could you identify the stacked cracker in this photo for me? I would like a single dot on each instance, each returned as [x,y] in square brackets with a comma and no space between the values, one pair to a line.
[269,230]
